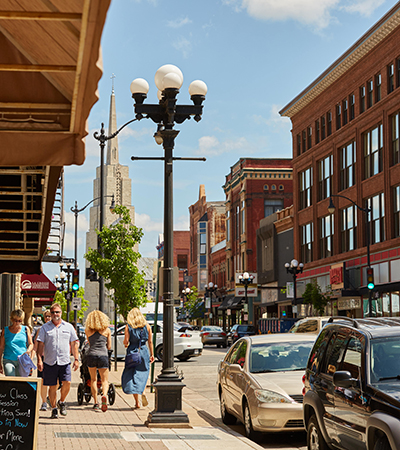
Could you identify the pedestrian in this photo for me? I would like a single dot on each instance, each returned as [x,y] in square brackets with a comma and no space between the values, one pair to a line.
[137,332]
[55,340]
[15,340]
[99,336]
[44,389]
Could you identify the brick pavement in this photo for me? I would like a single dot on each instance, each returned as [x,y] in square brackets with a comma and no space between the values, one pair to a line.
[122,427]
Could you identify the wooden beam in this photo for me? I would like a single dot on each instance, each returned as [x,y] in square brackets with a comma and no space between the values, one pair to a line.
[35,106]
[31,15]
[36,68]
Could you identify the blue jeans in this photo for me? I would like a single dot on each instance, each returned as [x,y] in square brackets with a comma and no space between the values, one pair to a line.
[11,368]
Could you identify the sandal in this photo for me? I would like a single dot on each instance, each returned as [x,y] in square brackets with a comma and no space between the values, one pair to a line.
[144,400]
[103,403]
[96,407]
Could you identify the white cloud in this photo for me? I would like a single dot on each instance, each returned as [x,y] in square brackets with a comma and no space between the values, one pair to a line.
[275,121]
[182,223]
[315,13]
[211,146]
[69,217]
[69,243]
[183,45]
[177,23]
[144,221]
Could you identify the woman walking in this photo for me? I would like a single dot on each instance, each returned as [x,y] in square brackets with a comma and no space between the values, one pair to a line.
[137,332]
[99,337]
[14,341]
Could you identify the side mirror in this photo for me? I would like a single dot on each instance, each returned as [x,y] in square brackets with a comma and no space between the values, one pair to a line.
[343,379]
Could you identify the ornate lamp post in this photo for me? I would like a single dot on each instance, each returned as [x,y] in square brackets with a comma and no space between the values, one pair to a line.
[367,210]
[294,268]
[168,79]
[185,293]
[210,289]
[66,272]
[246,279]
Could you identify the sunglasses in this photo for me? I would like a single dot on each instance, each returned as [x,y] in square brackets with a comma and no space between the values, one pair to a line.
[55,312]
[17,320]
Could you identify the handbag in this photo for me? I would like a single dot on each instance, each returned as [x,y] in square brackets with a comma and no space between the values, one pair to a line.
[135,358]
[25,365]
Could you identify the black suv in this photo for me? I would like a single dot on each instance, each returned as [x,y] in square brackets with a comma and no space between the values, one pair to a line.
[238,331]
[352,386]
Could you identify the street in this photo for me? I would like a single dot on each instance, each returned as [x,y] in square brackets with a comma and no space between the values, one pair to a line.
[200,375]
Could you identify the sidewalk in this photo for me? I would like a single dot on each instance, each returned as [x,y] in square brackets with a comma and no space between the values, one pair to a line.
[122,427]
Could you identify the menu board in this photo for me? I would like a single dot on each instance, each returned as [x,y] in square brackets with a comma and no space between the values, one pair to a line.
[19,412]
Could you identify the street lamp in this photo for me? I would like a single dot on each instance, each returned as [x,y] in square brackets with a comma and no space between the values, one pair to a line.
[168,79]
[246,279]
[76,211]
[294,268]
[210,289]
[185,293]
[367,210]
[66,271]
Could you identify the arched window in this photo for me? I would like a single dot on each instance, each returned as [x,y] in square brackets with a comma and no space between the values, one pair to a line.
[266,187]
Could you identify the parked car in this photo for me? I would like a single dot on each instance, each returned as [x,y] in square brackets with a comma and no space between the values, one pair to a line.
[309,325]
[260,382]
[352,386]
[187,344]
[238,331]
[213,335]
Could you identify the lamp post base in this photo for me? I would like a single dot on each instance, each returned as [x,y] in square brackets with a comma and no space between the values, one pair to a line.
[168,403]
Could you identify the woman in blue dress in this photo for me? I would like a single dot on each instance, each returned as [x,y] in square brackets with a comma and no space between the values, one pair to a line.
[137,333]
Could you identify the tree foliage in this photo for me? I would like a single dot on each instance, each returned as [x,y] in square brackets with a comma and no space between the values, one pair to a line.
[60,298]
[315,297]
[118,266]
[194,304]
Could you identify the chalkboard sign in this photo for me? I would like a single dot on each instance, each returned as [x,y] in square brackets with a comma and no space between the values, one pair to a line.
[19,412]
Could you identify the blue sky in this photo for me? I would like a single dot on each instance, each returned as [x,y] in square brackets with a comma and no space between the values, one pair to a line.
[254,55]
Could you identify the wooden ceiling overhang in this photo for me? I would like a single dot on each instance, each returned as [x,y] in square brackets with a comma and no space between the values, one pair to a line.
[50,66]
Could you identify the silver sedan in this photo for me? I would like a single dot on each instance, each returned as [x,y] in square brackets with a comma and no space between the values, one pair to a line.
[260,382]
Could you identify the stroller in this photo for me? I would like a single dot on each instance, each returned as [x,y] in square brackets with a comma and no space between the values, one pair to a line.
[84,391]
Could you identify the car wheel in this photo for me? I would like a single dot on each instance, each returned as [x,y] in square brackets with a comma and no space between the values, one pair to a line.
[382,444]
[227,418]
[225,345]
[218,345]
[248,425]
[315,440]
[183,358]
[159,353]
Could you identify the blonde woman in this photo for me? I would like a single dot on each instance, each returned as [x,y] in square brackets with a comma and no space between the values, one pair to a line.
[99,336]
[14,341]
[137,333]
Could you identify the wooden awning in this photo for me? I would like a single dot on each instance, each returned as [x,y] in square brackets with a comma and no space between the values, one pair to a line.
[50,66]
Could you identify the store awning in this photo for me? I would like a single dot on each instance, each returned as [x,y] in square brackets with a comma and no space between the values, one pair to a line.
[50,66]
[231,302]
[37,286]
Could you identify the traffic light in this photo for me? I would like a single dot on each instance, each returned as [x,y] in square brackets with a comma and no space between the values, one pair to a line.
[91,274]
[370,278]
[75,280]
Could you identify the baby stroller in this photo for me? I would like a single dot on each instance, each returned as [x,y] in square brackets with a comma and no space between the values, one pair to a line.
[84,391]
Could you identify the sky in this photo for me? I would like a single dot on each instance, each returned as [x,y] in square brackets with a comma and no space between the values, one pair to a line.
[255,57]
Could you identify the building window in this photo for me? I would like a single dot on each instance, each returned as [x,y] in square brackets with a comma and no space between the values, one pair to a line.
[304,141]
[237,223]
[348,229]
[323,128]
[228,226]
[362,99]
[305,188]
[390,72]
[373,145]
[317,131]
[326,236]
[352,102]
[202,232]
[377,218]
[298,145]
[182,261]
[329,123]
[345,107]
[370,93]
[306,242]
[266,187]
[273,187]
[338,116]
[347,165]
[325,177]
[395,138]
[243,217]
[271,206]
[396,210]
[378,87]
[281,187]
[309,138]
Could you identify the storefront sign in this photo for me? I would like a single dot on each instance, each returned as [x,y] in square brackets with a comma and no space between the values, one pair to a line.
[349,303]
[336,276]
[251,291]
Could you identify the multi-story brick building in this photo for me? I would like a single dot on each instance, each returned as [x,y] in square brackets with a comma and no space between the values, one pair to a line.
[254,189]
[346,145]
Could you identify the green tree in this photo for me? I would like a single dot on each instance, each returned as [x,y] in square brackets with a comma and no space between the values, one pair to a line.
[118,266]
[314,296]
[60,298]
[194,304]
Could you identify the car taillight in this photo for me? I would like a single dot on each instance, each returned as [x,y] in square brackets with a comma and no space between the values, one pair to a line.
[303,391]
[303,379]
[205,334]
[236,335]
[185,335]
[223,334]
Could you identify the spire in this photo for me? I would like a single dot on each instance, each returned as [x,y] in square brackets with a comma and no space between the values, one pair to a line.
[112,145]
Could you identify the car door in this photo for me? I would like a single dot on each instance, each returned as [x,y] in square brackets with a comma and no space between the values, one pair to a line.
[237,379]
[225,375]
[351,403]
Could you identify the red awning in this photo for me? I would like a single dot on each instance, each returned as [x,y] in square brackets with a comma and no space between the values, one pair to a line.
[37,286]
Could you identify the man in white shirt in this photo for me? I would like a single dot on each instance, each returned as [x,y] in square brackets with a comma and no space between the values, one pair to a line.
[55,340]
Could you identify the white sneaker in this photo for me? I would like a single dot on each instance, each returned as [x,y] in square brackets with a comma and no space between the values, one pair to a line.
[43,407]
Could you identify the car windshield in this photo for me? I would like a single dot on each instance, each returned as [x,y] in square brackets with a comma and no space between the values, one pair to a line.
[385,359]
[211,329]
[277,357]
[245,328]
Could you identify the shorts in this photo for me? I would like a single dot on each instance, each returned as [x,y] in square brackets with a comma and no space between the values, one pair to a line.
[53,374]
[100,362]
[11,368]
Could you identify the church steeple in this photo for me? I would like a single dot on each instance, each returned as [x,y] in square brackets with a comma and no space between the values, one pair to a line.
[112,144]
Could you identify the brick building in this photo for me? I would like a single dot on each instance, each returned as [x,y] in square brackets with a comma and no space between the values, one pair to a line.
[346,145]
[254,189]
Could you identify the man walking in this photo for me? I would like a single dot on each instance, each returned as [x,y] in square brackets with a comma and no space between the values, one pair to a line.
[54,342]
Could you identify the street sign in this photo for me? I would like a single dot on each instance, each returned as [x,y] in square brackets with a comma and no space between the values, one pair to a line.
[187,279]
[76,303]
[68,296]
[68,260]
